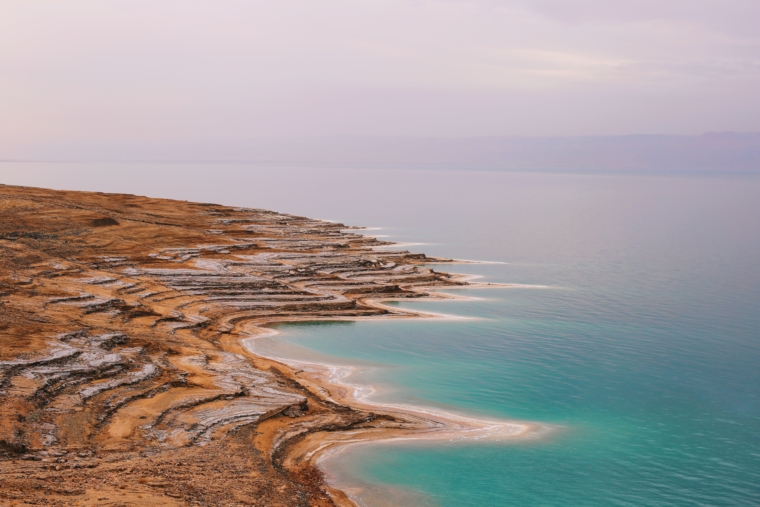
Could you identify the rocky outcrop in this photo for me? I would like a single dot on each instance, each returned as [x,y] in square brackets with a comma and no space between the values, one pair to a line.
[120,318]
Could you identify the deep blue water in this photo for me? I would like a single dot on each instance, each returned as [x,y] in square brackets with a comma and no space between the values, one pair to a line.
[644,352]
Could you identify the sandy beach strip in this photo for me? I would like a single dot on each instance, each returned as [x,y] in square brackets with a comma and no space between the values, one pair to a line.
[333,382]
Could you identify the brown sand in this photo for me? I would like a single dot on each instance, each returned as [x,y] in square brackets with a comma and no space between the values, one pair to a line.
[124,379]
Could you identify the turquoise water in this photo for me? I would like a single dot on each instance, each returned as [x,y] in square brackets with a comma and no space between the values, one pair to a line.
[644,351]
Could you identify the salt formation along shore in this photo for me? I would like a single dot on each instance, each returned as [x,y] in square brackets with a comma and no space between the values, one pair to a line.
[125,378]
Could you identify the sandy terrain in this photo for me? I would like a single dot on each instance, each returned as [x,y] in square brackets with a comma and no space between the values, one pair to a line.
[124,379]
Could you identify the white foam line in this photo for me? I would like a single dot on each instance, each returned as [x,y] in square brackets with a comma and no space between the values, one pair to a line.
[495,285]
[456,427]
[419,314]
[467,277]
[400,245]
[471,261]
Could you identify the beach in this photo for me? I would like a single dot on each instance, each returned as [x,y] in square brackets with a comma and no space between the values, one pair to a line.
[627,335]
[144,349]
[411,423]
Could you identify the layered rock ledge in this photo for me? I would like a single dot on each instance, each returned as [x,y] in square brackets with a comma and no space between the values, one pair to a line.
[122,377]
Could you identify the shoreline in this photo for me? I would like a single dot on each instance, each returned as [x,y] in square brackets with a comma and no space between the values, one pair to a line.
[331,382]
[133,365]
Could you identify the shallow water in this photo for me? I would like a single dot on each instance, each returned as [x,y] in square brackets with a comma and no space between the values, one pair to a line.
[643,351]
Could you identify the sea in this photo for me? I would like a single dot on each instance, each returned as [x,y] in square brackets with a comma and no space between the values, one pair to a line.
[632,330]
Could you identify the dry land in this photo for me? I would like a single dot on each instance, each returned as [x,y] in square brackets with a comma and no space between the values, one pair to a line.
[123,376]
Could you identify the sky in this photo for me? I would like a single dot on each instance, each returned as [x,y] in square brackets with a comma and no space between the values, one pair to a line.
[163,70]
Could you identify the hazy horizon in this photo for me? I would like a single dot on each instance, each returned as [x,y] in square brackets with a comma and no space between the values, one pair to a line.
[169,72]
[716,151]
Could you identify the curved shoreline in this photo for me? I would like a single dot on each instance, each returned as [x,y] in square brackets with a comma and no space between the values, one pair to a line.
[329,381]
[125,317]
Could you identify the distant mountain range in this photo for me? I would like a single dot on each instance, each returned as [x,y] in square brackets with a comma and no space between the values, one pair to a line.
[725,151]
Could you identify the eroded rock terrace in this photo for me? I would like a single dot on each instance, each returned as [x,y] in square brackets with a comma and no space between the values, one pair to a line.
[120,327]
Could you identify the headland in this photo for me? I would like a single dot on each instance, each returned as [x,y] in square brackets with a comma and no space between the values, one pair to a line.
[127,371]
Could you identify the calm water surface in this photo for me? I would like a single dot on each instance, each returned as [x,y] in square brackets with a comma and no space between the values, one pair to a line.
[643,351]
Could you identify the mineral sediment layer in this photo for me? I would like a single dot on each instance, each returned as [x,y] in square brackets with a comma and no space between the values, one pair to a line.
[123,380]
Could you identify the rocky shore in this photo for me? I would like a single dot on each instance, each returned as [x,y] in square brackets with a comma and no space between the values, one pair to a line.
[123,376]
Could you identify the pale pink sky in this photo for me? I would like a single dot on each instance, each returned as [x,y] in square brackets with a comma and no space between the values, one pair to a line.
[186,69]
